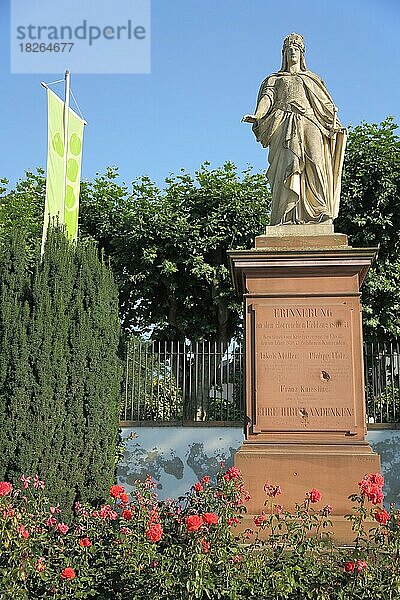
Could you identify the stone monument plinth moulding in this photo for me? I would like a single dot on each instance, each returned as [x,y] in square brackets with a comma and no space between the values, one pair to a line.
[304,383]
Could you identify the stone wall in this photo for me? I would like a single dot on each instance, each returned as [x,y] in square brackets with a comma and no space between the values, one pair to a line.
[177,457]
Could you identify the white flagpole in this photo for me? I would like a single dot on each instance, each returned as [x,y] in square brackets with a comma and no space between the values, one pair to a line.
[66,118]
[44,234]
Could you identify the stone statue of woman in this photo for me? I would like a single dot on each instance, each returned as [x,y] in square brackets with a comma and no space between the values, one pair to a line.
[297,119]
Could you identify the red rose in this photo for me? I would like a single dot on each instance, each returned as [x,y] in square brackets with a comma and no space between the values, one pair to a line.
[5,488]
[116,491]
[272,490]
[371,487]
[68,573]
[126,530]
[232,521]
[85,542]
[193,523]
[349,567]
[124,497]
[382,516]
[232,473]
[205,479]
[372,491]
[198,487]
[154,532]
[314,495]
[258,521]
[377,478]
[23,532]
[375,494]
[237,558]
[127,514]
[210,518]
[361,565]
[62,528]
[205,545]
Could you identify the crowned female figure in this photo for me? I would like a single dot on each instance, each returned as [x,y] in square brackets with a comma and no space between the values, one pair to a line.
[296,118]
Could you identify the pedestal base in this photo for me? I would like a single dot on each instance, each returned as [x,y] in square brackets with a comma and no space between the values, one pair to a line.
[334,469]
[311,236]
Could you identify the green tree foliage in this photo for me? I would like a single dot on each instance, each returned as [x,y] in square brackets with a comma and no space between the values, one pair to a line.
[168,248]
[22,208]
[370,216]
[59,368]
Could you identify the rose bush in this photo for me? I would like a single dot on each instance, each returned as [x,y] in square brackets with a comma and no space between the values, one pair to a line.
[137,547]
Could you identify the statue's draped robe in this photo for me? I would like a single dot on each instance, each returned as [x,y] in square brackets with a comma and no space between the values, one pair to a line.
[305,163]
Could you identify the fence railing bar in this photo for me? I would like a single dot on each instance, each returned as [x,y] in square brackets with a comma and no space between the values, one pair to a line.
[139,378]
[133,382]
[177,379]
[209,383]
[125,411]
[184,358]
[152,377]
[398,375]
[200,384]
[158,371]
[190,365]
[196,380]
[215,377]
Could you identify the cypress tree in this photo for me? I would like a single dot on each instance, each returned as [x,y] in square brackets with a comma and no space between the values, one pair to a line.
[15,372]
[60,372]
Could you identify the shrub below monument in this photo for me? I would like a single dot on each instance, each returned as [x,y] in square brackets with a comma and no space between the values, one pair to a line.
[139,548]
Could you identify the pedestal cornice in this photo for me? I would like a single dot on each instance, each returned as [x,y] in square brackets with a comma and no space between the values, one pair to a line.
[344,262]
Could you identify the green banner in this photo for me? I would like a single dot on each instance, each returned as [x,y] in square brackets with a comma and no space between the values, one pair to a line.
[73,174]
[54,203]
[63,169]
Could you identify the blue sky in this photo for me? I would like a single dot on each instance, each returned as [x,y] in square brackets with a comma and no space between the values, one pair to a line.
[208,59]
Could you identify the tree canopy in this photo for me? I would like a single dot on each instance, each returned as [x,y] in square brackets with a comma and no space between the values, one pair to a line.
[168,247]
[370,216]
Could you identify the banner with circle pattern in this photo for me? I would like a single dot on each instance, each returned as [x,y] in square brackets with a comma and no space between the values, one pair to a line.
[63,170]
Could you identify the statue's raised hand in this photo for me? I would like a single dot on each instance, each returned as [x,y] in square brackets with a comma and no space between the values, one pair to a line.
[249,119]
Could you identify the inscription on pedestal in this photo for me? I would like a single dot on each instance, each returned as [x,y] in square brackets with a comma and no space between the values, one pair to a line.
[304,367]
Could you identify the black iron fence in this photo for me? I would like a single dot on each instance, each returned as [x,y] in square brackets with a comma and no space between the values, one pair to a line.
[203,381]
[193,381]
[382,382]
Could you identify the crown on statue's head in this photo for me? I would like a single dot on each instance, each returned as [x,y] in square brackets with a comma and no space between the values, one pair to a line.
[294,38]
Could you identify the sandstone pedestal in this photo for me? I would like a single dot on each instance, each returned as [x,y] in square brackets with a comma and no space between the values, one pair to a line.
[304,367]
